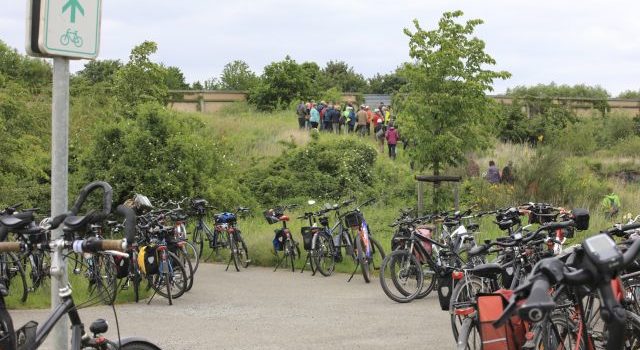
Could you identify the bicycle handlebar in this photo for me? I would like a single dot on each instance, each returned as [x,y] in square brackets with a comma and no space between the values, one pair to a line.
[106,199]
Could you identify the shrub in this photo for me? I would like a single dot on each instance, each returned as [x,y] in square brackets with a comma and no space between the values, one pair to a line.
[323,169]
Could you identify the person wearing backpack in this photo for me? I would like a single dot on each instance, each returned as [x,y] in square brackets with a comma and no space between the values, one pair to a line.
[351,119]
[301,112]
[392,139]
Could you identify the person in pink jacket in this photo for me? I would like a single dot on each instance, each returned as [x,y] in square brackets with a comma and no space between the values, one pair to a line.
[392,139]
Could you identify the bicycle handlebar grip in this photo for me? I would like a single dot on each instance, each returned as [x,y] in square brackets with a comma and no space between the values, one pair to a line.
[112,244]
[539,302]
[129,223]
[10,246]
[556,225]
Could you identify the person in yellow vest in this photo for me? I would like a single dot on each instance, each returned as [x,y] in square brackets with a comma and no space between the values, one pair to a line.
[387,115]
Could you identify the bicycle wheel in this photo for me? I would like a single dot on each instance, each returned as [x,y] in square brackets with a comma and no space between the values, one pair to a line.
[192,253]
[401,276]
[14,277]
[188,267]
[242,251]
[362,259]
[465,291]
[233,247]
[558,332]
[7,333]
[171,281]
[102,274]
[198,241]
[469,335]
[377,254]
[323,254]
[289,251]
[428,280]
[134,275]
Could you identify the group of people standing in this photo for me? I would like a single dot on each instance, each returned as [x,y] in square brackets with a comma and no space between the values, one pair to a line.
[330,117]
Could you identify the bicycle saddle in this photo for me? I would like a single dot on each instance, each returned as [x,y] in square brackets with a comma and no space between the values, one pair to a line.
[490,270]
[19,220]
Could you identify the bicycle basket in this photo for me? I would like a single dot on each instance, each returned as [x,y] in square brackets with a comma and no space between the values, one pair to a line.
[307,237]
[199,205]
[509,336]
[353,219]
[270,216]
[25,337]
[541,215]
[148,260]
[122,266]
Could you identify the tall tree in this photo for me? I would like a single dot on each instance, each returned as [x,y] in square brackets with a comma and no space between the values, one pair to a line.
[281,83]
[237,75]
[338,74]
[140,80]
[100,70]
[443,108]
[174,78]
[385,83]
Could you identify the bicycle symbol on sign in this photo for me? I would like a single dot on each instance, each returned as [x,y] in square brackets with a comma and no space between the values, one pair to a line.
[71,36]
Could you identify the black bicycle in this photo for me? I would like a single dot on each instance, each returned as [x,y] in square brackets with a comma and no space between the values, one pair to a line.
[31,335]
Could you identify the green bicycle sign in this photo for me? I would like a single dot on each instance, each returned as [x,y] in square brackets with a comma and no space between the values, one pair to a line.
[71,37]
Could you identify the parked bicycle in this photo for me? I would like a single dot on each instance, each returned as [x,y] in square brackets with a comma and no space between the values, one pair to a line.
[285,247]
[32,335]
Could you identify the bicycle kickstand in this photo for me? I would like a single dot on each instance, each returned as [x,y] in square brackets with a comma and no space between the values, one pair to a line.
[306,261]
[152,295]
[354,271]
[229,262]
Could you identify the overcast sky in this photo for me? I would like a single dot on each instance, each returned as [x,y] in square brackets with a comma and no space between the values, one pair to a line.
[568,42]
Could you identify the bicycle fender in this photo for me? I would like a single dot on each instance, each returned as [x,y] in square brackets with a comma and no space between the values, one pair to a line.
[138,340]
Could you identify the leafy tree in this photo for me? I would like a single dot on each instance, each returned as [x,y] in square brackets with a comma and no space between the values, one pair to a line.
[140,80]
[338,74]
[174,79]
[630,94]
[281,83]
[385,83]
[197,86]
[237,76]
[34,74]
[443,108]
[541,96]
[100,71]
[212,84]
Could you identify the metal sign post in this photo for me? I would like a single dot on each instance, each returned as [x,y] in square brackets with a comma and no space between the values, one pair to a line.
[59,184]
[61,29]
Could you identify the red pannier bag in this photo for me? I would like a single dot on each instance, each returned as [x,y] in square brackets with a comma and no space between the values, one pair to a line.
[510,335]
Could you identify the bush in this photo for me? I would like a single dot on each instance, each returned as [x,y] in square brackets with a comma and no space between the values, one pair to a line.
[320,170]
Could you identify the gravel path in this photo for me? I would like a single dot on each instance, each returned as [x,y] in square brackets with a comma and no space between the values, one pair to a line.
[260,309]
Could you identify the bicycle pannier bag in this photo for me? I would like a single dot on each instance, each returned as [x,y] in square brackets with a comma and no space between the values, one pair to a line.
[509,336]
[581,218]
[278,240]
[424,232]
[353,219]
[307,237]
[148,260]
[122,266]
[445,288]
